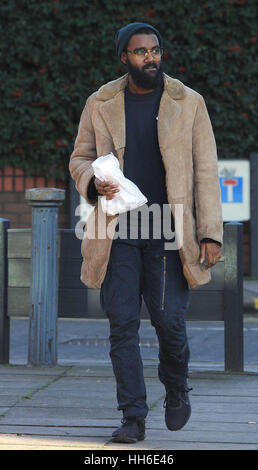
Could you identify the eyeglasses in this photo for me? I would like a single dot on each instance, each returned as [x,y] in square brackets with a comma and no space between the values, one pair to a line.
[143,52]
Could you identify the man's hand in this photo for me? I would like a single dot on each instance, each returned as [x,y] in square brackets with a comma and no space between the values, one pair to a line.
[106,188]
[211,252]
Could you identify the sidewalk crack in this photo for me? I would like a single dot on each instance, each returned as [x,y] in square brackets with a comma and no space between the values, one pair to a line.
[43,387]
[31,395]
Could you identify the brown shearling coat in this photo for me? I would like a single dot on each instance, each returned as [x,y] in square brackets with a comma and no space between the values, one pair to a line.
[189,156]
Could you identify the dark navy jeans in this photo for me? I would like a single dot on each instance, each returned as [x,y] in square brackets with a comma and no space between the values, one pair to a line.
[143,268]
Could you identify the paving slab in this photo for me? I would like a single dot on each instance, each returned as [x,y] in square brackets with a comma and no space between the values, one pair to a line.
[105,371]
[9,442]
[75,408]
[74,431]
[24,369]
[3,411]
[59,416]
[173,446]
[102,429]
[8,400]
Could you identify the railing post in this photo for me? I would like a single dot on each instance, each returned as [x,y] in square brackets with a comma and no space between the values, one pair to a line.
[44,275]
[4,319]
[233,297]
[254,215]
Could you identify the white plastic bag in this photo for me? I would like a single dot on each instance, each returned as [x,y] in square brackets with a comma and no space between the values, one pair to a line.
[129,197]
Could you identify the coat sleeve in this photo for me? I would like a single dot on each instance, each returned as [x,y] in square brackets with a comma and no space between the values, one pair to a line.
[84,153]
[207,195]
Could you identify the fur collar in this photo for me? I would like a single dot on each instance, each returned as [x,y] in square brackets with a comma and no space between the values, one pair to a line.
[175,89]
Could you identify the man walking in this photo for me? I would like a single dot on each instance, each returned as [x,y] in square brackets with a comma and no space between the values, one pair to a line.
[160,131]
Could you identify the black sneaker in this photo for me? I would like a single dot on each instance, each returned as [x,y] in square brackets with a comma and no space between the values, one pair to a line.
[178,409]
[132,430]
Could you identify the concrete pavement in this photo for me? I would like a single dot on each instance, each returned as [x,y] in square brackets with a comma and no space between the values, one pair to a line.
[72,406]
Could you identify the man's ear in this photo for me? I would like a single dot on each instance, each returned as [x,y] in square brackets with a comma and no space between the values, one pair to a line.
[123,58]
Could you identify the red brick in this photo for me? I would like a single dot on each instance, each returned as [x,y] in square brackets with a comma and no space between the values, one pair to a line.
[29,183]
[13,208]
[19,171]
[21,197]
[24,221]
[19,183]
[40,182]
[20,220]
[23,209]
[8,183]
[9,197]
[63,219]
[61,184]
[8,170]
[51,183]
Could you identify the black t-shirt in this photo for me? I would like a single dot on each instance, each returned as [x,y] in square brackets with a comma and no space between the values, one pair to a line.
[142,159]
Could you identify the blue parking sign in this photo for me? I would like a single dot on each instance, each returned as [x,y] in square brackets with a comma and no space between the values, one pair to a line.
[234,179]
[231,189]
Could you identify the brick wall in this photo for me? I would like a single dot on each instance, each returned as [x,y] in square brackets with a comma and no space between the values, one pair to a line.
[13,205]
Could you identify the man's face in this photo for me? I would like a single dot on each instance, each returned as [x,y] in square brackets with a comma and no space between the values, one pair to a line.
[146,71]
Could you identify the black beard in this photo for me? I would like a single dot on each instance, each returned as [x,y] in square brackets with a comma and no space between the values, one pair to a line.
[143,79]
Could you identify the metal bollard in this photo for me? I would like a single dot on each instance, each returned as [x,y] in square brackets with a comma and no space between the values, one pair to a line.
[44,275]
[4,319]
[233,297]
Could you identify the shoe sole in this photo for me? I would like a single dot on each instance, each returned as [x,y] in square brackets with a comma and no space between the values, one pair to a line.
[127,439]
[171,428]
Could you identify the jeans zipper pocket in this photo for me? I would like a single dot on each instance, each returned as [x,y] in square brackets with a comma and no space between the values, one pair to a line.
[164,283]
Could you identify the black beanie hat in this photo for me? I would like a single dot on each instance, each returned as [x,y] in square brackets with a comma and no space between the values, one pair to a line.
[124,34]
